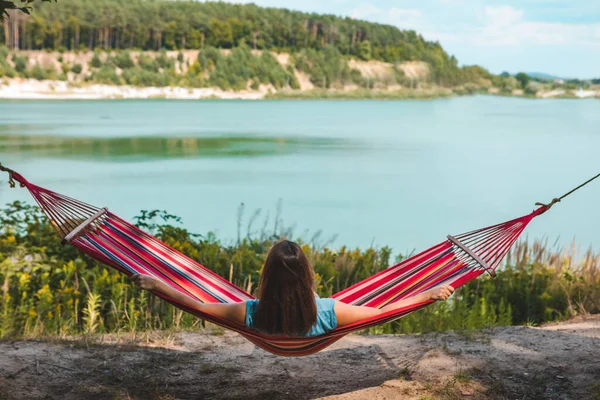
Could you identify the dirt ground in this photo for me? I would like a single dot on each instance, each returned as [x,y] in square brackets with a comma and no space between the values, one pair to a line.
[559,361]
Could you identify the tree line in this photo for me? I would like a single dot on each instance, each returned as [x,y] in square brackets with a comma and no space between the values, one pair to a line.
[159,24]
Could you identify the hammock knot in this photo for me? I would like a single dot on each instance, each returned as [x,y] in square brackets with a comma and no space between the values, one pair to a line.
[549,205]
[11,180]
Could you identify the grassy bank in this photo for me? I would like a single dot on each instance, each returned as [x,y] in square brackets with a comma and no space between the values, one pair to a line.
[51,290]
[362,94]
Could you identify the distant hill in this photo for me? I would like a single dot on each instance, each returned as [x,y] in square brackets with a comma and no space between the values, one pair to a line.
[547,77]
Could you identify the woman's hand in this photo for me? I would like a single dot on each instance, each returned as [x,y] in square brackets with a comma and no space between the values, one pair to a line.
[145,282]
[440,292]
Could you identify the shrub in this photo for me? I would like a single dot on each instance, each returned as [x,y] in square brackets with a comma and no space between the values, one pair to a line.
[292,81]
[141,77]
[533,87]
[8,71]
[3,53]
[123,60]
[523,79]
[148,63]
[327,68]
[37,72]
[106,74]
[165,61]
[96,60]
[76,68]
[20,63]
[208,57]
[364,50]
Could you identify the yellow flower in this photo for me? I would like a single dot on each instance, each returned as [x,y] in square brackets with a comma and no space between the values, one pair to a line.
[24,279]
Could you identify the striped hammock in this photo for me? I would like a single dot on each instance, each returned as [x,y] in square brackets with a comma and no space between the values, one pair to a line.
[104,236]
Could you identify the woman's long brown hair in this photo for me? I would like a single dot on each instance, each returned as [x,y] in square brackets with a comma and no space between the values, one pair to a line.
[287,301]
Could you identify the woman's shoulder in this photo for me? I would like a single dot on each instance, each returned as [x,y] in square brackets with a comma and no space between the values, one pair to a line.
[325,304]
[251,304]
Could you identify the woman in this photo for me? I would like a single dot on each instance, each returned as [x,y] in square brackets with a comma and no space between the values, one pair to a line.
[288,306]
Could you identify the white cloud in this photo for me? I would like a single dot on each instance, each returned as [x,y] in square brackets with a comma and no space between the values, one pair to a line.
[506,26]
[405,18]
[503,15]
[366,11]
[404,13]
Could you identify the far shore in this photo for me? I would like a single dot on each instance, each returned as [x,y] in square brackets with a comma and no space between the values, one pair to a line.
[31,89]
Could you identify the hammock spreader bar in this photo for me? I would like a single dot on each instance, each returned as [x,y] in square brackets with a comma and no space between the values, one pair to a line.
[474,256]
[85,224]
[115,242]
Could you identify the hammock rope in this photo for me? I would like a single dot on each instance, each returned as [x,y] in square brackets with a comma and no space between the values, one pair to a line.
[113,241]
[559,199]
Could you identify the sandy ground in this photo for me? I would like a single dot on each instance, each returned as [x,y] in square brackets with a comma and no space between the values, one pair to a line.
[553,362]
[53,90]
[31,89]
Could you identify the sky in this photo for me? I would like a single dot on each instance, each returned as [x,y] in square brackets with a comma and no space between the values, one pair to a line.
[559,37]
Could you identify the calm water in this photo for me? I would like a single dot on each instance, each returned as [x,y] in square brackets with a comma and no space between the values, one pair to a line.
[398,173]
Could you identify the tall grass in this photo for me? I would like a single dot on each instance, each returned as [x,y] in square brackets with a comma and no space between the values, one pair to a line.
[48,289]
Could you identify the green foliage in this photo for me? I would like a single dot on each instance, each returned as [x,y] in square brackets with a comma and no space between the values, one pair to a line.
[364,50]
[5,67]
[148,63]
[164,61]
[143,77]
[50,289]
[107,75]
[76,69]
[10,5]
[208,57]
[154,25]
[509,84]
[327,68]
[3,53]
[91,314]
[122,60]
[533,87]
[235,70]
[324,42]
[20,62]
[96,60]
[40,73]
[523,79]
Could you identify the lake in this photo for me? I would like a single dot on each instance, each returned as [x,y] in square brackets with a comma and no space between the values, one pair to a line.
[397,173]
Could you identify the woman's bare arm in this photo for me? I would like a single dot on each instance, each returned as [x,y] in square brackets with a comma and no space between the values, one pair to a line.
[347,314]
[235,312]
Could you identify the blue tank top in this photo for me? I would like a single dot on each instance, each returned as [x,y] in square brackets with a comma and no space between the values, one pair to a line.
[326,319]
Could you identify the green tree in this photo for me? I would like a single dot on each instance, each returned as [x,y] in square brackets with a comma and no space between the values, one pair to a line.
[523,79]
[221,34]
[364,50]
